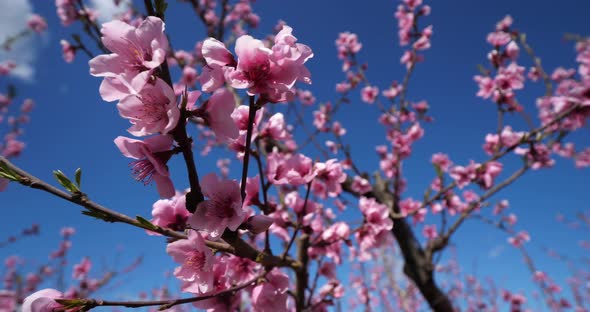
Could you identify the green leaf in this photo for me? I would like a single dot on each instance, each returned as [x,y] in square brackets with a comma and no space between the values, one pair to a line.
[71,303]
[65,181]
[146,224]
[7,173]
[78,176]
[98,215]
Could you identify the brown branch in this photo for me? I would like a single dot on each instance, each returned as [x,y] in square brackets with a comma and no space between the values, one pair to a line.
[234,244]
[164,304]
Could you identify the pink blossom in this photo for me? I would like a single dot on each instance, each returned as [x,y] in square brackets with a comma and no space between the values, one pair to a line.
[499,207]
[361,185]
[512,50]
[289,169]
[67,232]
[442,161]
[27,106]
[221,210]
[217,114]
[582,159]
[561,73]
[393,91]
[376,214]
[42,301]
[337,129]
[489,172]
[405,21]
[519,239]
[240,117]
[369,94]
[510,78]
[534,74]
[135,49]
[276,128]
[498,38]
[151,108]
[510,219]
[328,269]
[271,295]
[170,213]
[81,269]
[221,282]
[66,11]
[337,231]
[505,23]
[511,138]
[7,300]
[423,43]
[464,175]
[37,23]
[492,144]
[151,156]
[539,158]
[217,56]
[306,97]
[13,148]
[189,77]
[343,87]
[486,86]
[429,231]
[347,44]
[332,174]
[409,206]
[268,72]
[258,223]
[196,263]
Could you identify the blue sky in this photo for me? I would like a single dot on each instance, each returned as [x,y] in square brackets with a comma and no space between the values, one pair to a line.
[72,127]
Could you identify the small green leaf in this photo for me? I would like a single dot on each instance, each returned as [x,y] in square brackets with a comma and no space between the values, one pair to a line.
[98,215]
[71,303]
[146,224]
[7,173]
[65,181]
[78,176]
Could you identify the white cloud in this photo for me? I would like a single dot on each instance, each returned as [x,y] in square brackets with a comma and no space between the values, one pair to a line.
[13,19]
[496,251]
[107,9]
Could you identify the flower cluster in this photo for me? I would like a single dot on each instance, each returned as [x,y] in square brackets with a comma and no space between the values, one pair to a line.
[268,72]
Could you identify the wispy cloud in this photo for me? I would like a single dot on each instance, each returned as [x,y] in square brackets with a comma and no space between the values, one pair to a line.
[496,251]
[13,19]
[107,9]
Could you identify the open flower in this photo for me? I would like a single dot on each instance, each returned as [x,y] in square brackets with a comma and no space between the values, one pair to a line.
[134,49]
[170,213]
[151,156]
[42,301]
[222,209]
[216,113]
[196,263]
[271,73]
[272,294]
[150,107]
[294,170]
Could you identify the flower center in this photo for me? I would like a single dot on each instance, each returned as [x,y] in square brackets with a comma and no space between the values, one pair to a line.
[143,170]
[196,260]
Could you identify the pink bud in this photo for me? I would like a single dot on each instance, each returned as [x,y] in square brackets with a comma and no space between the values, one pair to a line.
[258,223]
